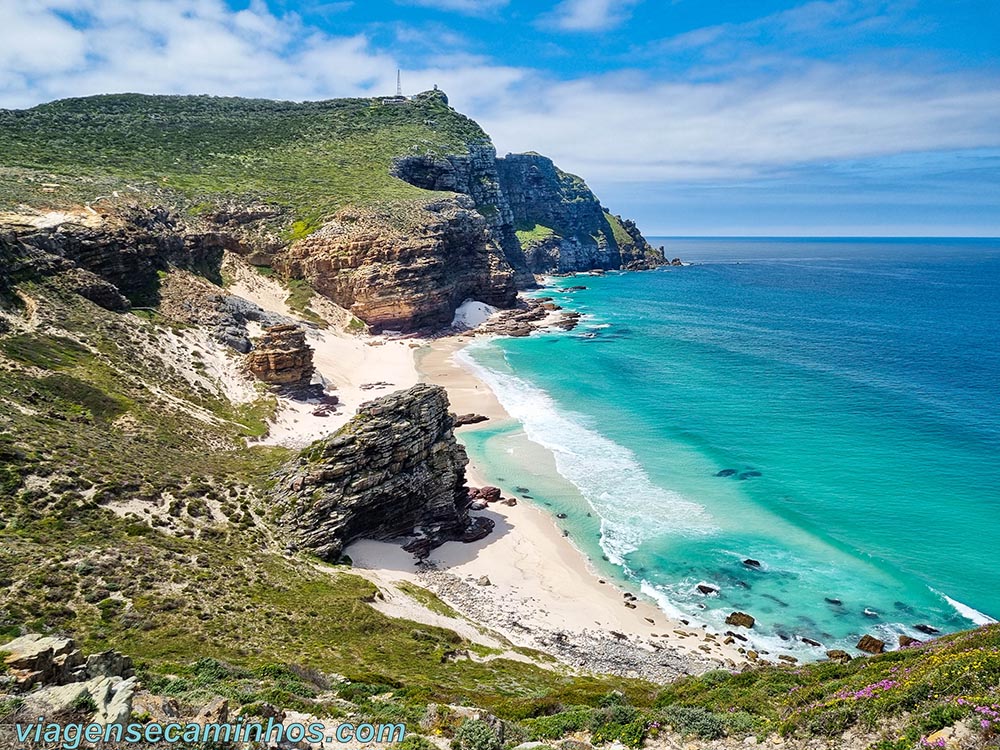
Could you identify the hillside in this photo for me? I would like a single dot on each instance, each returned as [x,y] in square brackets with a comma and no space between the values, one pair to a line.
[149,505]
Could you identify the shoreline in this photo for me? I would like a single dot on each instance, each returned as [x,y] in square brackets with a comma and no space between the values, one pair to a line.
[542,592]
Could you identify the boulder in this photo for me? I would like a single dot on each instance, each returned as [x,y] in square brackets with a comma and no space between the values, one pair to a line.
[216,711]
[905,641]
[838,655]
[464,419]
[112,697]
[707,589]
[751,563]
[926,629]
[871,645]
[740,619]
[490,494]
[109,664]
[37,659]
[394,470]
[282,357]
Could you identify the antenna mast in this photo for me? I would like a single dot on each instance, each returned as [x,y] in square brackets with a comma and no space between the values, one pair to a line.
[399,82]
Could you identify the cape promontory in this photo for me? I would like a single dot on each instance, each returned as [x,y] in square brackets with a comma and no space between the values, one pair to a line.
[397,210]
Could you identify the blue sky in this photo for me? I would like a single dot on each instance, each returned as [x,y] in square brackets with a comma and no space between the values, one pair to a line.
[830,117]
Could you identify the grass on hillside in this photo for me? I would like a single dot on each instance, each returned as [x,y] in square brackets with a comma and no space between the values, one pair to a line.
[311,157]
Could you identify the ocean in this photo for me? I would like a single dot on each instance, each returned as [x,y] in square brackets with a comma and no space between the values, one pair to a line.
[828,408]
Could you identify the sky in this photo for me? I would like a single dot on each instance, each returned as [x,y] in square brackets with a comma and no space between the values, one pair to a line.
[694,117]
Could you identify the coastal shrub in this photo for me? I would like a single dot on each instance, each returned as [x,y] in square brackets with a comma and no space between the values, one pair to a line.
[414,742]
[634,733]
[558,725]
[475,735]
[692,720]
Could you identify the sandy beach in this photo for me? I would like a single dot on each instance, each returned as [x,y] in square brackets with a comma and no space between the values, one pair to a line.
[524,582]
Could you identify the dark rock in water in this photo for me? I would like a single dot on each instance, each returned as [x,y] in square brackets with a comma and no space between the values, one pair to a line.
[839,656]
[707,589]
[751,563]
[528,497]
[521,490]
[740,619]
[749,475]
[464,419]
[743,584]
[905,641]
[870,613]
[725,473]
[577,288]
[811,642]
[730,633]
[775,599]
[561,515]
[834,602]
[926,629]
[871,645]
[903,607]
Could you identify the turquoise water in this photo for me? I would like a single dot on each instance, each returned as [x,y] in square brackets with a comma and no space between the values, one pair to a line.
[852,386]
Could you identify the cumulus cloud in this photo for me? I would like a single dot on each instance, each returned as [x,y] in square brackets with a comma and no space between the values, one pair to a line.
[57,48]
[590,15]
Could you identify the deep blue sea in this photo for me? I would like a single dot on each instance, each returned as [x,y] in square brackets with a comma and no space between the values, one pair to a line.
[829,408]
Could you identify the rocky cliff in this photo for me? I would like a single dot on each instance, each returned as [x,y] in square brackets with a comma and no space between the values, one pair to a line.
[404,277]
[395,470]
[561,224]
[545,220]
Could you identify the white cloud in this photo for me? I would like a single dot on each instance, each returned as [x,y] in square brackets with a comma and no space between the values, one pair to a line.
[626,128]
[202,46]
[469,7]
[755,119]
[590,15]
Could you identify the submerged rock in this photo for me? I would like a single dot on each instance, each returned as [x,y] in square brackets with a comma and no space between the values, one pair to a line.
[725,473]
[740,619]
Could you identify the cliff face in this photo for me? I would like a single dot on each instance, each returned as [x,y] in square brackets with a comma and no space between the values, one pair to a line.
[543,219]
[561,223]
[394,470]
[474,175]
[404,278]
[112,260]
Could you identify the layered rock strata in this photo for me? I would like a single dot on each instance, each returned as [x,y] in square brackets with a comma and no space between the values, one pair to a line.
[282,357]
[394,470]
[404,278]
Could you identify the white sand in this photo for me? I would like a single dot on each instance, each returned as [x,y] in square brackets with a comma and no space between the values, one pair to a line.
[531,566]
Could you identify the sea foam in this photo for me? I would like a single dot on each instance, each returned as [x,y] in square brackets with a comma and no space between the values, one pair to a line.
[609,476]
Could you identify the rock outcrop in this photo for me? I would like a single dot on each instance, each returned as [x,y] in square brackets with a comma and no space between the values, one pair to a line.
[282,356]
[394,470]
[35,659]
[563,226]
[114,260]
[404,273]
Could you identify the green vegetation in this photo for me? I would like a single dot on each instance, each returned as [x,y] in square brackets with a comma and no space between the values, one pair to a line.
[533,235]
[196,152]
[622,237]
